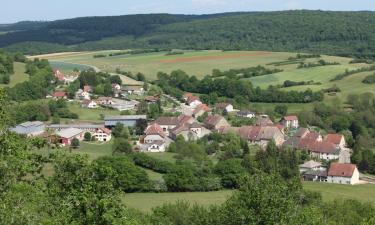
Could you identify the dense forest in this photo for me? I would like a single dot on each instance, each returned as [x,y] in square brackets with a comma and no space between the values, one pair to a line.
[342,33]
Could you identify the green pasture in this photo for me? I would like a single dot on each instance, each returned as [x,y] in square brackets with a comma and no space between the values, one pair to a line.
[18,76]
[91,115]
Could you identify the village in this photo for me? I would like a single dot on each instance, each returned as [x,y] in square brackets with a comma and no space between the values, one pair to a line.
[329,156]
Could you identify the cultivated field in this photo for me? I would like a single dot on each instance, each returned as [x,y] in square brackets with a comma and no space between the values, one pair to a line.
[201,63]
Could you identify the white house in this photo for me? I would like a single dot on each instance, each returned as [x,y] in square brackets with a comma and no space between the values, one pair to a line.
[224,106]
[290,122]
[154,133]
[89,104]
[103,135]
[245,114]
[341,173]
[311,165]
[193,101]
[324,150]
[156,146]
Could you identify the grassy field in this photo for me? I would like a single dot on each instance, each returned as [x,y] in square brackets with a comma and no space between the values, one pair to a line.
[91,115]
[363,193]
[18,76]
[146,201]
[166,156]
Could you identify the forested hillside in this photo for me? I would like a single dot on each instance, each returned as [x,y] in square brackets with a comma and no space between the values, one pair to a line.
[344,33]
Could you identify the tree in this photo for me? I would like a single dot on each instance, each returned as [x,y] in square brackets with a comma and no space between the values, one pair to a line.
[87,136]
[75,143]
[121,146]
[282,110]
[140,126]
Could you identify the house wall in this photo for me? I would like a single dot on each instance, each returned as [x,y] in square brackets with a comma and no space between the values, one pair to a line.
[325,156]
[195,103]
[229,108]
[156,148]
[151,138]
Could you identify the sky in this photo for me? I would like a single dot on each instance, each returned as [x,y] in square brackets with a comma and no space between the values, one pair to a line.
[42,10]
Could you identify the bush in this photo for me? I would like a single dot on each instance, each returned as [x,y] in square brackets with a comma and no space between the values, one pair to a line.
[370,79]
[87,136]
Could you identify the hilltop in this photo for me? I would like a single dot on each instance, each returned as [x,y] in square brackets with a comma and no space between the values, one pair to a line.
[335,33]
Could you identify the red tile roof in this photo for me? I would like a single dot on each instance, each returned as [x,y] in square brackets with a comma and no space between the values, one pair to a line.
[290,118]
[322,147]
[188,95]
[155,129]
[341,170]
[106,130]
[213,119]
[334,138]
[192,99]
[169,121]
[222,105]
[202,107]
[59,94]
[87,88]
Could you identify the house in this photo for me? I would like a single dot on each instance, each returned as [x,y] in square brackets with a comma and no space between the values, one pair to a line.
[224,106]
[186,96]
[336,139]
[310,165]
[193,101]
[315,175]
[290,122]
[156,146]
[125,105]
[29,129]
[263,120]
[133,90]
[102,135]
[169,123]
[215,122]
[342,173]
[245,114]
[129,121]
[89,104]
[192,131]
[152,99]
[154,133]
[87,88]
[60,95]
[116,89]
[200,110]
[59,75]
[67,135]
[261,135]
[324,150]
[105,101]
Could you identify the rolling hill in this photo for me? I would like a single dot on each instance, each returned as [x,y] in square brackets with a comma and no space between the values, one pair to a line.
[337,33]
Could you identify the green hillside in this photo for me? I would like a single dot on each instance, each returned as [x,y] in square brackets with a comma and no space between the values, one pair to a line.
[343,33]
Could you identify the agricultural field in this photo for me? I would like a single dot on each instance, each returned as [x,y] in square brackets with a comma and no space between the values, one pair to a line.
[91,115]
[201,63]
[18,76]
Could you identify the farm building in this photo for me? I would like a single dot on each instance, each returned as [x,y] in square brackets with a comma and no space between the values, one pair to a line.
[102,135]
[129,121]
[215,122]
[84,127]
[60,95]
[311,165]
[90,104]
[342,173]
[224,106]
[192,131]
[169,123]
[67,135]
[29,129]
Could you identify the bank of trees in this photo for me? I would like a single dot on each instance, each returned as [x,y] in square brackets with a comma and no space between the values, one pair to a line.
[242,91]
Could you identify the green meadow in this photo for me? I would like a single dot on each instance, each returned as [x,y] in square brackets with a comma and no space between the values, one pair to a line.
[18,76]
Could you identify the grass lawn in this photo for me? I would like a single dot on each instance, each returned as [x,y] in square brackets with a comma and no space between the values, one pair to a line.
[18,76]
[92,115]
[146,201]
[363,193]
[166,156]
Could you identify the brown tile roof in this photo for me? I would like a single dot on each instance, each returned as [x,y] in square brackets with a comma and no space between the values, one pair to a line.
[201,107]
[184,119]
[213,120]
[301,132]
[341,170]
[87,88]
[322,147]
[334,138]
[188,95]
[263,121]
[59,94]
[86,102]
[155,129]
[169,121]
[222,105]
[290,118]
[106,130]
[192,99]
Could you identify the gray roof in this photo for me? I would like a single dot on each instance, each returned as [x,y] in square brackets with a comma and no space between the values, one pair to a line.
[310,164]
[69,133]
[131,117]
[31,124]
[79,126]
